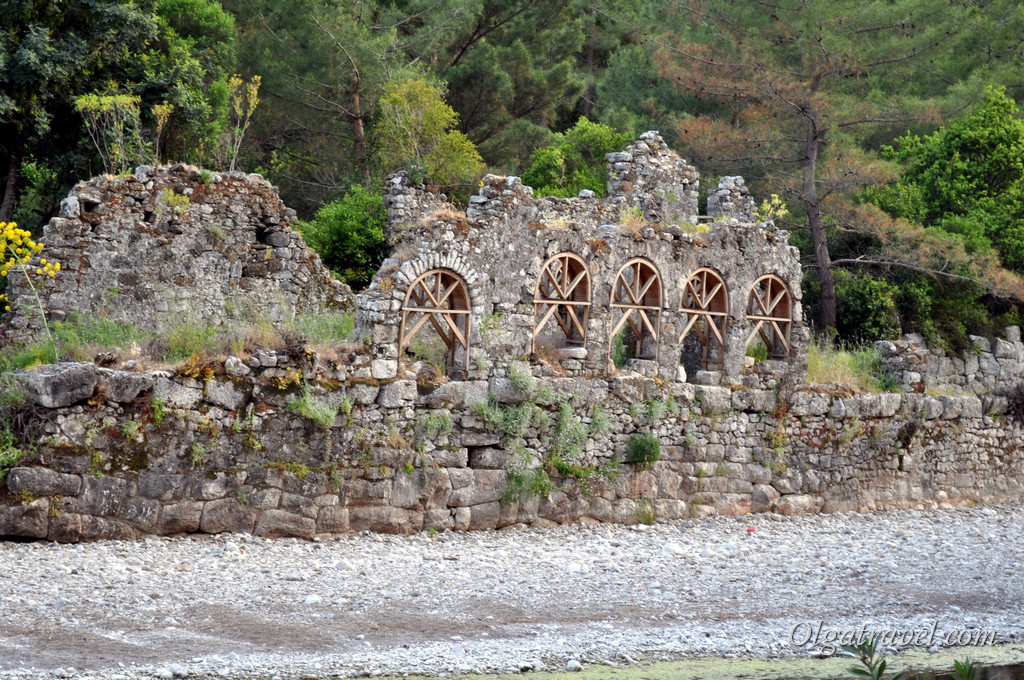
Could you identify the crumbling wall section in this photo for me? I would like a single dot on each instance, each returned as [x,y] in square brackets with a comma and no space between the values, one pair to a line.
[174,243]
[987,367]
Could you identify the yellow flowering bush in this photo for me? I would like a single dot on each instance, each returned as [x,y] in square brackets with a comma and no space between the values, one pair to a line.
[16,252]
[771,209]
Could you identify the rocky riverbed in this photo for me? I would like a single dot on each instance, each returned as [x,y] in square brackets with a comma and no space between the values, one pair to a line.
[506,601]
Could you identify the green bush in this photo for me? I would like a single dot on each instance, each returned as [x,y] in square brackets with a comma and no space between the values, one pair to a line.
[349,236]
[575,160]
[643,449]
[866,308]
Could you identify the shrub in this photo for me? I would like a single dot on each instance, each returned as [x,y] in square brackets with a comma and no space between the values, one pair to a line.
[574,161]
[349,235]
[643,449]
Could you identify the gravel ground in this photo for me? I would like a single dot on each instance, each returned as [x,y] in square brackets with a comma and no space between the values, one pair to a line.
[364,605]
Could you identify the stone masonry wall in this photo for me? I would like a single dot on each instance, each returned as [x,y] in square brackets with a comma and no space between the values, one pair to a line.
[123,454]
[502,242]
[989,367]
[173,244]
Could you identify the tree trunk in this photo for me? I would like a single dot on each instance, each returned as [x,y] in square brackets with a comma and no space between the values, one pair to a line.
[13,175]
[827,307]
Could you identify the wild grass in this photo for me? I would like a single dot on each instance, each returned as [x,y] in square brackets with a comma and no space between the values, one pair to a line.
[859,369]
[82,338]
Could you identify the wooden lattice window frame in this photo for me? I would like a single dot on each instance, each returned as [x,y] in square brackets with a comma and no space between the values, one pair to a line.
[563,293]
[440,297]
[770,308]
[705,306]
[641,295]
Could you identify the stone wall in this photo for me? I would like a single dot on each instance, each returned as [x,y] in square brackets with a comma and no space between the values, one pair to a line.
[500,246]
[124,454]
[990,366]
[173,244]
[530,410]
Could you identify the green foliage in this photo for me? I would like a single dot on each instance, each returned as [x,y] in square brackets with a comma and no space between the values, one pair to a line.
[599,423]
[643,449]
[320,412]
[969,176]
[10,453]
[325,328]
[866,308]
[189,339]
[520,376]
[871,664]
[349,235]
[525,480]
[574,160]
[437,423]
[645,513]
[416,131]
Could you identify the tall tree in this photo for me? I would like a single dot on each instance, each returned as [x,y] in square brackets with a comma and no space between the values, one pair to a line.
[50,52]
[802,86]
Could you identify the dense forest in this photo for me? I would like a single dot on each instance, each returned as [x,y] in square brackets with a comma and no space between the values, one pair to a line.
[889,127]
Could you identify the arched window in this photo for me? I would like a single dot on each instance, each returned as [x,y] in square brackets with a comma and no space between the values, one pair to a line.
[705,306]
[563,294]
[438,297]
[636,299]
[770,308]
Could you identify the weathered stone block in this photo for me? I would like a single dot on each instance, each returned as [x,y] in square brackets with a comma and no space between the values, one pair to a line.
[65,528]
[26,519]
[506,392]
[299,504]
[176,518]
[800,504]
[398,394]
[485,486]
[274,523]
[175,394]
[43,482]
[102,497]
[227,514]
[764,498]
[226,394]
[105,529]
[58,385]
[140,513]
[806,403]
[385,520]
[163,486]
[123,386]
[332,520]
[484,516]
[488,458]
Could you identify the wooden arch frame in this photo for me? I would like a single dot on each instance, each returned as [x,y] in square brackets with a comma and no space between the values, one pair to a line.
[637,290]
[705,306]
[770,307]
[563,293]
[440,297]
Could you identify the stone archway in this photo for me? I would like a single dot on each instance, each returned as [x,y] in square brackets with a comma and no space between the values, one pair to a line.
[705,308]
[563,294]
[636,295]
[770,308]
[439,297]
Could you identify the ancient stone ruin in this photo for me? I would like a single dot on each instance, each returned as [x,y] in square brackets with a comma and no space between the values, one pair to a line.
[523,362]
[563,280]
[172,245]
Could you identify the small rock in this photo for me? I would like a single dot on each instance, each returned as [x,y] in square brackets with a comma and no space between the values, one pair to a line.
[573,666]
